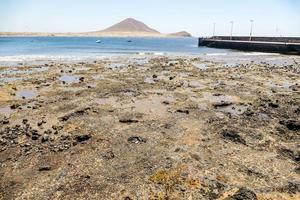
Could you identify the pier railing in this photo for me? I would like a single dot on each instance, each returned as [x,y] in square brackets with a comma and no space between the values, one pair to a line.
[259,39]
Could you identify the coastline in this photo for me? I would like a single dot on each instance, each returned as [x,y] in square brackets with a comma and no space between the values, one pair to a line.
[147,125]
[89,34]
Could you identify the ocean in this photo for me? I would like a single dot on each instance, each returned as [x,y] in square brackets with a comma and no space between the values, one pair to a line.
[18,48]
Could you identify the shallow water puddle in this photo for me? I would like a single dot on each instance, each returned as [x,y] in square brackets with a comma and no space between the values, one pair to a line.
[37,69]
[285,85]
[98,77]
[26,94]
[216,98]
[69,79]
[16,71]
[183,75]
[201,66]
[172,62]
[6,111]
[263,116]
[82,68]
[149,80]
[141,61]
[234,110]
[194,84]
[11,79]
[116,65]
[165,72]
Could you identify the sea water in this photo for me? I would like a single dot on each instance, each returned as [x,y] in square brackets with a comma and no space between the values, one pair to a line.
[30,48]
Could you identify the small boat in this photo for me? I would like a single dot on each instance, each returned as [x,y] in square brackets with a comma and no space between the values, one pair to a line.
[129,40]
[98,41]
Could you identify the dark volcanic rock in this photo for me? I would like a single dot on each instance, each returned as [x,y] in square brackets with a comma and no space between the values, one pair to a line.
[289,154]
[293,125]
[232,136]
[82,138]
[221,104]
[297,170]
[273,105]
[136,140]
[45,138]
[4,121]
[81,79]
[44,168]
[128,120]
[74,114]
[243,194]
[15,106]
[183,111]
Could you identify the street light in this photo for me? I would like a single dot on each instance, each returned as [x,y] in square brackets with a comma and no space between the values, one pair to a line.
[251,29]
[231,30]
[278,32]
[214,29]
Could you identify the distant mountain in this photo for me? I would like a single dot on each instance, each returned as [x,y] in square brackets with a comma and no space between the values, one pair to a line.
[130,25]
[181,34]
[125,28]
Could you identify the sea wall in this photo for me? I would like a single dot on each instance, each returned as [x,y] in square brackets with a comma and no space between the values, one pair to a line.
[259,46]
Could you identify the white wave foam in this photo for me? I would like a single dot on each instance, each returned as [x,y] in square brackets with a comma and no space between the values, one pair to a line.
[159,53]
[28,58]
[217,54]
[151,53]
[260,54]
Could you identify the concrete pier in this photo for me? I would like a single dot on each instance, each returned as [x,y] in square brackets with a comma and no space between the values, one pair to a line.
[259,44]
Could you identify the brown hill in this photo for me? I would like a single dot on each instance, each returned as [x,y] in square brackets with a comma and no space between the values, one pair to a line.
[130,25]
[181,34]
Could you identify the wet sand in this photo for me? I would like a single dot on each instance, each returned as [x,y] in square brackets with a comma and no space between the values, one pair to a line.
[152,127]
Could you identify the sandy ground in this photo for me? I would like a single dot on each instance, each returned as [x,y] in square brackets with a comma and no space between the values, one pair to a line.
[151,128]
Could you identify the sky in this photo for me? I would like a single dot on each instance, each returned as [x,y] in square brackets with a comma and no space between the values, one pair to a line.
[271,17]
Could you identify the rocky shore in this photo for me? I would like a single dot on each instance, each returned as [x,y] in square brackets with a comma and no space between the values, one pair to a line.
[151,128]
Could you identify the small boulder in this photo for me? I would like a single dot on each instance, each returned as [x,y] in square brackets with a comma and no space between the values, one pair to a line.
[243,194]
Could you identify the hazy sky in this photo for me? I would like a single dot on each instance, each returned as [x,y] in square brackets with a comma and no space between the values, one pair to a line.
[194,16]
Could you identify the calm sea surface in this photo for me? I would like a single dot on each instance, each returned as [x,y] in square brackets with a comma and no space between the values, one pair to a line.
[87,46]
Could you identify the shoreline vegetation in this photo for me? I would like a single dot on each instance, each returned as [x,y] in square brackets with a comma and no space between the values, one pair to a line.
[151,127]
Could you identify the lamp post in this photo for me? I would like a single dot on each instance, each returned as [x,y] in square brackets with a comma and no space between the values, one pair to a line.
[231,30]
[251,29]
[277,32]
